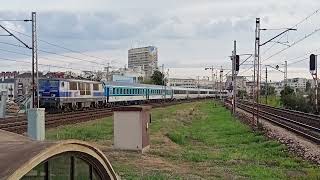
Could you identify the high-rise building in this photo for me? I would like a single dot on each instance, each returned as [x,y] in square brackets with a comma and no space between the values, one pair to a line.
[144,57]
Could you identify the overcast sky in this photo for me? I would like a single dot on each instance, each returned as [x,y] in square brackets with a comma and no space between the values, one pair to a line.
[189,34]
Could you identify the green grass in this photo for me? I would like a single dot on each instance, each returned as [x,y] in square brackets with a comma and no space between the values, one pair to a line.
[272,101]
[98,130]
[197,140]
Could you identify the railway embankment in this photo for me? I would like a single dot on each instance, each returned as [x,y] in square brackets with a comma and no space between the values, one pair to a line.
[193,141]
[295,143]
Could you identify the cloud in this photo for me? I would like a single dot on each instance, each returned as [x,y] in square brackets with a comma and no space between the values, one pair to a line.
[187,33]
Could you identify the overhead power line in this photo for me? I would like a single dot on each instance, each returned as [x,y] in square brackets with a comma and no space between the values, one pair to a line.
[293,44]
[294,26]
[48,65]
[61,47]
[49,52]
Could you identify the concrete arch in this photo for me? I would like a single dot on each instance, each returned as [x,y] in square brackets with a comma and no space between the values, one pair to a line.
[19,155]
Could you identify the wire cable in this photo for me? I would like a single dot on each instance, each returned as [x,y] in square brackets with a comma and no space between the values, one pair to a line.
[48,65]
[59,46]
[294,26]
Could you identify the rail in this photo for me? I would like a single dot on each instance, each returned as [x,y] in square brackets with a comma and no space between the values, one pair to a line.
[304,124]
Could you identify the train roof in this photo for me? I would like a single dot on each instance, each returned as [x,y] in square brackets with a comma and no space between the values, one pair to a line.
[126,84]
[70,80]
[190,89]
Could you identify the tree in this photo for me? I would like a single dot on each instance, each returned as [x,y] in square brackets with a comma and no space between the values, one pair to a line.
[271,90]
[242,94]
[157,78]
[287,96]
[308,86]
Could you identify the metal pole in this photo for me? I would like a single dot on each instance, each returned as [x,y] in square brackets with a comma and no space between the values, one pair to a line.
[316,85]
[212,76]
[257,66]
[266,86]
[234,77]
[35,98]
[221,71]
[285,73]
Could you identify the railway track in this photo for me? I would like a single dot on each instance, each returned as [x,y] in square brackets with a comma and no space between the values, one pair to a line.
[19,124]
[304,124]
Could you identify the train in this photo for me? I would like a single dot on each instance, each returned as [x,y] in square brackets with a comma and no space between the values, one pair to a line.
[72,94]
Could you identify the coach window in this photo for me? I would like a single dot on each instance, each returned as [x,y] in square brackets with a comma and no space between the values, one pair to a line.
[73,86]
[113,90]
[121,90]
[62,84]
[117,90]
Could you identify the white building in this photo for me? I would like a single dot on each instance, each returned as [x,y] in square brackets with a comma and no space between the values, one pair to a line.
[136,75]
[144,57]
[185,82]
[241,82]
[297,83]
[8,85]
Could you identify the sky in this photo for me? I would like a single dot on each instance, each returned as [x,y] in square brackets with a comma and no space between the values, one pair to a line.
[190,34]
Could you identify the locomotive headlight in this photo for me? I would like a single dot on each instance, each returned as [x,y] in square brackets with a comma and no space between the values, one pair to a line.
[53,95]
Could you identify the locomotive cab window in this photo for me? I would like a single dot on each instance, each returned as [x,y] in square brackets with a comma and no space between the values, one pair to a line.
[96,87]
[88,90]
[73,86]
[82,88]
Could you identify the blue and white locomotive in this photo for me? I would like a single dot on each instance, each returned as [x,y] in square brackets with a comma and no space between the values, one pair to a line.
[72,94]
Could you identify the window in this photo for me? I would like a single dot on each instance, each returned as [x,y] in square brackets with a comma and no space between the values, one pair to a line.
[62,84]
[66,166]
[73,86]
[96,87]
[82,88]
[113,90]
[88,89]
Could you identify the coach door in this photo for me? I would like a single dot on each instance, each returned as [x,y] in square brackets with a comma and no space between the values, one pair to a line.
[108,94]
[147,93]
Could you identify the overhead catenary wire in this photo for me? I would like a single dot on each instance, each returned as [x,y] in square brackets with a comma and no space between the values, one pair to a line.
[294,26]
[293,44]
[50,52]
[27,55]
[48,65]
[61,47]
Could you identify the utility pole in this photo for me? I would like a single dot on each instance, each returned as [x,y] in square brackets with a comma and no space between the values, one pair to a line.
[266,86]
[108,71]
[163,83]
[234,84]
[314,73]
[34,48]
[212,75]
[221,75]
[256,69]
[285,73]
[198,84]
[35,74]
